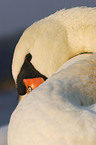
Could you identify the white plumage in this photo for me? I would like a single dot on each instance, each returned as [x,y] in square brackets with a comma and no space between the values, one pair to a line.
[61,111]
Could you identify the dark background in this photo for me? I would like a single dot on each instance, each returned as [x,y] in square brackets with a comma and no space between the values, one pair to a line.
[15,17]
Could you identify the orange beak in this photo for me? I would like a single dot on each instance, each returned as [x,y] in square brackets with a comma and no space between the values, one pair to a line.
[32,84]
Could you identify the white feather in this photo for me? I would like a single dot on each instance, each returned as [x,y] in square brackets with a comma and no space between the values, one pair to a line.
[61,111]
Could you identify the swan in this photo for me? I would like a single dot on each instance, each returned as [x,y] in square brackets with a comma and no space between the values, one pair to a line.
[62,110]
[47,44]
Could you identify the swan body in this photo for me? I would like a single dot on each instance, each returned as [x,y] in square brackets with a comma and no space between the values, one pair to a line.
[55,39]
[60,111]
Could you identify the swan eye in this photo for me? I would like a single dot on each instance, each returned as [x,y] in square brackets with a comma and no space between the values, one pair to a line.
[29,89]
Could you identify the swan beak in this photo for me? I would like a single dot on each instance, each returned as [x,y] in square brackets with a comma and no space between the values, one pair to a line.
[32,84]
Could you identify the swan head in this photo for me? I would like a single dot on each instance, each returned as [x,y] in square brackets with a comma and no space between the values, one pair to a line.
[47,44]
[28,78]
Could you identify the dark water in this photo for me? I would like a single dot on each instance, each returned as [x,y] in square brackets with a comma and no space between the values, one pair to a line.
[8,102]
[7,46]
